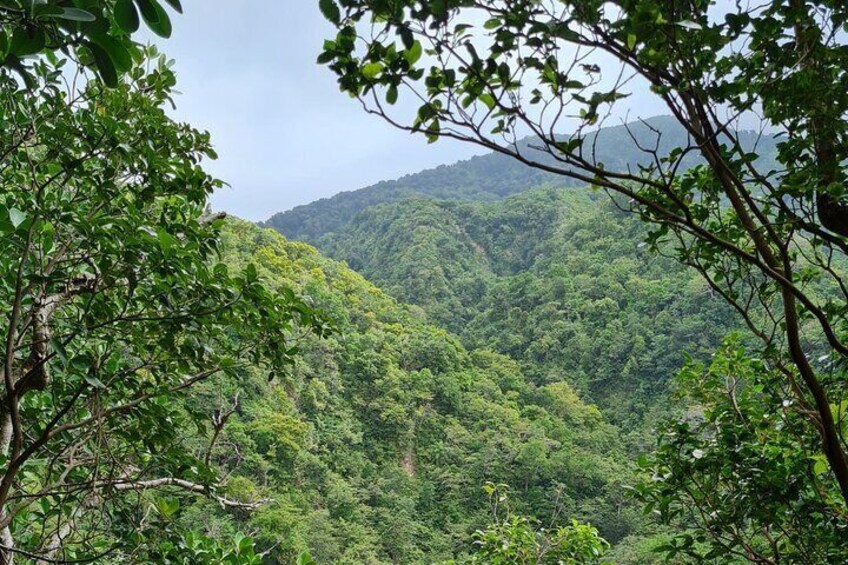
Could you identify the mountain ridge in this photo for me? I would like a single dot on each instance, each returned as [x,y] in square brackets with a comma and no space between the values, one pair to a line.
[493,176]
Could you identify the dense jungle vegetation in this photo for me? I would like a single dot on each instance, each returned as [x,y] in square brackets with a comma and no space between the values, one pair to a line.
[375,448]
[558,280]
[620,345]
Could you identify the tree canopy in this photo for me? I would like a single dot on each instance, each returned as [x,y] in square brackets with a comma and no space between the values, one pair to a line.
[171,379]
[91,33]
[770,240]
[117,306]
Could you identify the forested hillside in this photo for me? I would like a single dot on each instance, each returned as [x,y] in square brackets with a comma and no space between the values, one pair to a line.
[483,364]
[375,447]
[494,176]
[556,279]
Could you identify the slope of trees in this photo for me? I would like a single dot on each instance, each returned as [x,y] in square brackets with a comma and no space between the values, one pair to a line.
[158,402]
[375,448]
[770,239]
[552,278]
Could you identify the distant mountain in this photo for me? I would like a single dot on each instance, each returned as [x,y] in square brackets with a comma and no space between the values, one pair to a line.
[493,176]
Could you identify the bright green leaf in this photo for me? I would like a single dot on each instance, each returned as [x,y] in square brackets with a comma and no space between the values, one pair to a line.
[371,70]
[16,217]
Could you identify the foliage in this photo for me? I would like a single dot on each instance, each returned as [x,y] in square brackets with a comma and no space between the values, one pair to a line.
[116,306]
[157,400]
[551,278]
[744,471]
[164,541]
[92,33]
[515,539]
[373,448]
[770,240]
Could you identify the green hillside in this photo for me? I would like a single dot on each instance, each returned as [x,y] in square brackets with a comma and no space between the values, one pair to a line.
[494,176]
[481,364]
[375,448]
[559,280]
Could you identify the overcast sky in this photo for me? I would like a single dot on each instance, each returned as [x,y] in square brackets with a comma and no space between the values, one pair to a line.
[284,133]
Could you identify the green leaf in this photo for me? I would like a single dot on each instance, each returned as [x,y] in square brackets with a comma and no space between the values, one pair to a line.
[392,94]
[305,559]
[330,11]
[163,28]
[413,54]
[244,544]
[166,240]
[820,465]
[75,15]
[27,42]
[371,70]
[148,10]
[488,100]
[433,131]
[406,37]
[569,145]
[119,54]
[59,348]
[126,16]
[176,5]
[168,506]
[94,381]
[105,66]
[155,17]
[16,217]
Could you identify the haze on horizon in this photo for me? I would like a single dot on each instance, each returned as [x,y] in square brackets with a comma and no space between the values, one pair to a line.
[284,133]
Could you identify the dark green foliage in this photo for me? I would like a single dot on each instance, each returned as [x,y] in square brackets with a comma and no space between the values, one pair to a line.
[116,306]
[556,279]
[743,470]
[92,33]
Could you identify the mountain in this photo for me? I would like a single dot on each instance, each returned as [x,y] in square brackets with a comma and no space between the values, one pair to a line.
[557,280]
[491,327]
[375,447]
[494,176]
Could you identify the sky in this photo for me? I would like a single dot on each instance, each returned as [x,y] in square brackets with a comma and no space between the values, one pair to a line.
[284,133]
